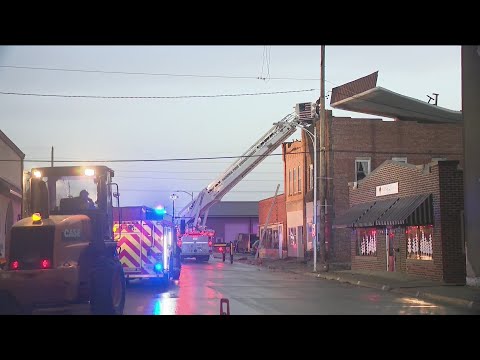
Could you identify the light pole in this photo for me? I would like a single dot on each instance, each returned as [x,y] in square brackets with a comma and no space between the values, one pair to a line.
[174,197]
[186,192]
[313,137]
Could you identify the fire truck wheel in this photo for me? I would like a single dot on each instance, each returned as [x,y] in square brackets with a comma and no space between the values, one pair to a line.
[107,287]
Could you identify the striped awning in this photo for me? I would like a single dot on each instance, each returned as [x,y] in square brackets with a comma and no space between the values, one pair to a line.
[409,211]
[349,218]
[380,208]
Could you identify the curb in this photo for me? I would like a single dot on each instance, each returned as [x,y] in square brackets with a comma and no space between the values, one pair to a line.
[474,305]
[469,304]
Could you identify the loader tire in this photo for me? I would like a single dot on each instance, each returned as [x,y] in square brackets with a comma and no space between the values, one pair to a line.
[108,286]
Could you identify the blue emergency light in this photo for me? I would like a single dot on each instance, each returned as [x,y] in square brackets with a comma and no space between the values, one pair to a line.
[158,267]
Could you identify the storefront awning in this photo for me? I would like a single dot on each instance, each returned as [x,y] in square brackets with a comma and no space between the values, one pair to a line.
[380,208]
[349,218]
[409,211]
[10,191]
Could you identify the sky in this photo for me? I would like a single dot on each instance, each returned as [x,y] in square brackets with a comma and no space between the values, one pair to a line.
[177,128]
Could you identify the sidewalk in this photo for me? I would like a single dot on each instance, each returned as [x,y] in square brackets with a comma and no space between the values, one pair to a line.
[457,295]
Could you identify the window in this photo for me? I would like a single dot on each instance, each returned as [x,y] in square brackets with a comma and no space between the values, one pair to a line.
[294,180]
[299,181]
[420,242]
[292,237]
[290,182]
[362,168]
[400,159]
[366,242]
[311,181]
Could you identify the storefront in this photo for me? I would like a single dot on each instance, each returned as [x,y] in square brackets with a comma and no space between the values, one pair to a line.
[407,218]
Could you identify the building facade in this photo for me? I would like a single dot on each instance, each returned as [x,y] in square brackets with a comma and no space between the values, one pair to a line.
[294,189]
[275,242]
[408,219]
[11,187]
[353,148]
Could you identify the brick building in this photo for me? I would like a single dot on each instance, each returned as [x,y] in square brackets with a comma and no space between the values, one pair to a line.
[408,218]
[275,241]
[354,148]
[294,165]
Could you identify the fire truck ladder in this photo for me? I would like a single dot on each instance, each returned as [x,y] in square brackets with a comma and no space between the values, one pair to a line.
[215,191]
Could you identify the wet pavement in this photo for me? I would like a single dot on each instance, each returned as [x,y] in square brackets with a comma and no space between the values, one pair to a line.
[252,290]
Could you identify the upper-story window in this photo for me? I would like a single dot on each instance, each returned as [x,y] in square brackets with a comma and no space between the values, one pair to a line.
[400,159]
[362,168]
[290,182]
[299,187]
[294,180]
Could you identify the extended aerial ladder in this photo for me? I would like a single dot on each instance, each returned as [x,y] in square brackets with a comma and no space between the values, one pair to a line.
[214,192]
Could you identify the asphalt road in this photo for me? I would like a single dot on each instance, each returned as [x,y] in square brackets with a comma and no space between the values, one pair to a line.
[256,291]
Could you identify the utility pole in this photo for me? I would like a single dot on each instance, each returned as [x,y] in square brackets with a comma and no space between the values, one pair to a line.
[323,167]
[52,157]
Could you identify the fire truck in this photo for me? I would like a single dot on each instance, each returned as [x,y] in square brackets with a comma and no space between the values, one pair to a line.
[146,242]
[194,239]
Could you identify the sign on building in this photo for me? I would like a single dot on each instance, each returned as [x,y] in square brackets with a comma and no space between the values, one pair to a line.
[387,189]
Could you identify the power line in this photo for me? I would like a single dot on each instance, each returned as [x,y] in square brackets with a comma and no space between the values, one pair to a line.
[191,172]
[190,179]
[155,97]
[365,151]
[169,191]
[156,74]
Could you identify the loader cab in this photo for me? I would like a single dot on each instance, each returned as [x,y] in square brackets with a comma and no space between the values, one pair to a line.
[56,191]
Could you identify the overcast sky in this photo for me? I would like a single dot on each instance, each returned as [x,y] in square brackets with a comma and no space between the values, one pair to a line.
[107,129]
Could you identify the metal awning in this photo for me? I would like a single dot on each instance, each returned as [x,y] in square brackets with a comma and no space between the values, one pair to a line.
[409,211]
[349,218]
[380,208]
[362,95]
[9,190]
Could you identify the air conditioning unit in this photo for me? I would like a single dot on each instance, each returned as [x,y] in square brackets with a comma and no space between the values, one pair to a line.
[306,111]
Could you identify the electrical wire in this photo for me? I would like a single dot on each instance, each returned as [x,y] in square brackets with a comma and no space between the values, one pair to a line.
[189,179]
[155,97]
[155,74]
[399,152]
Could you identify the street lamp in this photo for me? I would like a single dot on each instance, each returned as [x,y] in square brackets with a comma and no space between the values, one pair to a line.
[186,192]
[174,197]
